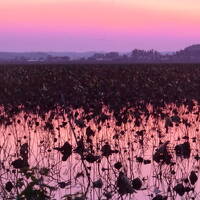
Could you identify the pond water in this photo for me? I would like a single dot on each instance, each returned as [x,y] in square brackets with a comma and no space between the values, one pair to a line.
[66,157]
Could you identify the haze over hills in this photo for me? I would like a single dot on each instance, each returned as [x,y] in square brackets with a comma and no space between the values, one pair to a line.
[189,54]
[35,55]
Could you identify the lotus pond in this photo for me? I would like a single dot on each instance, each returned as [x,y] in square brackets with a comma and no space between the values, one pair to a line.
[97,132]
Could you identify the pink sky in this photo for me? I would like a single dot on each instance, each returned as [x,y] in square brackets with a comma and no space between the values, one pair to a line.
[84,25]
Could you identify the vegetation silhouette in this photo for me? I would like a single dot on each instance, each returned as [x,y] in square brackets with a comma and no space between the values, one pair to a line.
[99,131]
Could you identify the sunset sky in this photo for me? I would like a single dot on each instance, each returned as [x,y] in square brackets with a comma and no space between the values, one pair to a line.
[100,25]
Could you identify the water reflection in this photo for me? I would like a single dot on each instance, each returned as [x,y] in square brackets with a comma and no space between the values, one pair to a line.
[69,157]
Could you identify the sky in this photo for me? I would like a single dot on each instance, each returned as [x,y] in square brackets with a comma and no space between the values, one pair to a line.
[98,25]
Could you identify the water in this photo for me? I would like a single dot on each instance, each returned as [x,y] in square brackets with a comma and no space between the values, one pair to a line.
[101,159]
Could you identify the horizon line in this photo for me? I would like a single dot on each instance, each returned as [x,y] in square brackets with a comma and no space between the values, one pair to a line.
[91,51]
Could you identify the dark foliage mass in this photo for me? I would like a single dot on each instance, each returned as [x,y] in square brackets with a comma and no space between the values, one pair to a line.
[41,88]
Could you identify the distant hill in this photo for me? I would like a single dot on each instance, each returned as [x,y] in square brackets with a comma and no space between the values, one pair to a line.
[43,55]
[190,54]
[187,55]
[72,55]
[25,55]
[193,48]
